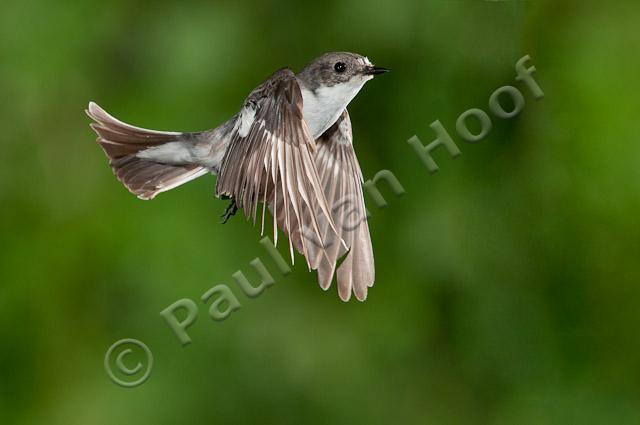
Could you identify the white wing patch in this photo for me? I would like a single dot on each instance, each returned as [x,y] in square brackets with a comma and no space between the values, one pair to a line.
[244,123]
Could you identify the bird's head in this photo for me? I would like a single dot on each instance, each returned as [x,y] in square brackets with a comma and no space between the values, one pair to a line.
[339,68]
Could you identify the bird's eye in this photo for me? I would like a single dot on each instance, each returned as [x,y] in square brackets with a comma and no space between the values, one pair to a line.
[340,67]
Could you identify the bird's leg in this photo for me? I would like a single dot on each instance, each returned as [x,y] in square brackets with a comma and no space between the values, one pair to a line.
[231,210]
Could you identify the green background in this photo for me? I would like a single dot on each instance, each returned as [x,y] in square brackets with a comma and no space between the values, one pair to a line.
[508,283]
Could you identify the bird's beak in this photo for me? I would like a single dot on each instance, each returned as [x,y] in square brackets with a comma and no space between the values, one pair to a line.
[375,70]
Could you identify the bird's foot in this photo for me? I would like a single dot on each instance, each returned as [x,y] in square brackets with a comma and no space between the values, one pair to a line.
[231,210]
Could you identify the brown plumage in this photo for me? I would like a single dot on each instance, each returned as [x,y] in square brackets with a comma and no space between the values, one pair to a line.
[273,163]
[290,148]
[121,142]
[342,182]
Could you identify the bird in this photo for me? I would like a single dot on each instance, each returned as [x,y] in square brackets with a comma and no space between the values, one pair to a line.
[289,148]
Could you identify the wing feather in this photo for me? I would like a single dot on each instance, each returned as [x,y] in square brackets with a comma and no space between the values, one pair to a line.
[341,178]
[273,163]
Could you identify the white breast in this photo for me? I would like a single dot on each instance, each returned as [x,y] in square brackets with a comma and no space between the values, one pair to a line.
[323,107]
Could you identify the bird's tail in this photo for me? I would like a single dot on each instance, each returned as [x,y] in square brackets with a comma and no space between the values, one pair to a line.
[122,142]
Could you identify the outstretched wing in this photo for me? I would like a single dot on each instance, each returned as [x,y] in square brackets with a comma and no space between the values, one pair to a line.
[341,180]
[270,159]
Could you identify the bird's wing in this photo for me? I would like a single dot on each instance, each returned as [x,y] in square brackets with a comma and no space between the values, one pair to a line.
[341,180]
[270,159]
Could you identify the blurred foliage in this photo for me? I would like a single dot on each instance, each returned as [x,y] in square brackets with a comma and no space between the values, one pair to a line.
[507,284]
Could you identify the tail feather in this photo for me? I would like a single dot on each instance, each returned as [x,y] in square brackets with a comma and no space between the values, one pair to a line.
[146,179]
[122,142]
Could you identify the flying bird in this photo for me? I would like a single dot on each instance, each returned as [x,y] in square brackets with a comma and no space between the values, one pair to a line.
[290,149]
